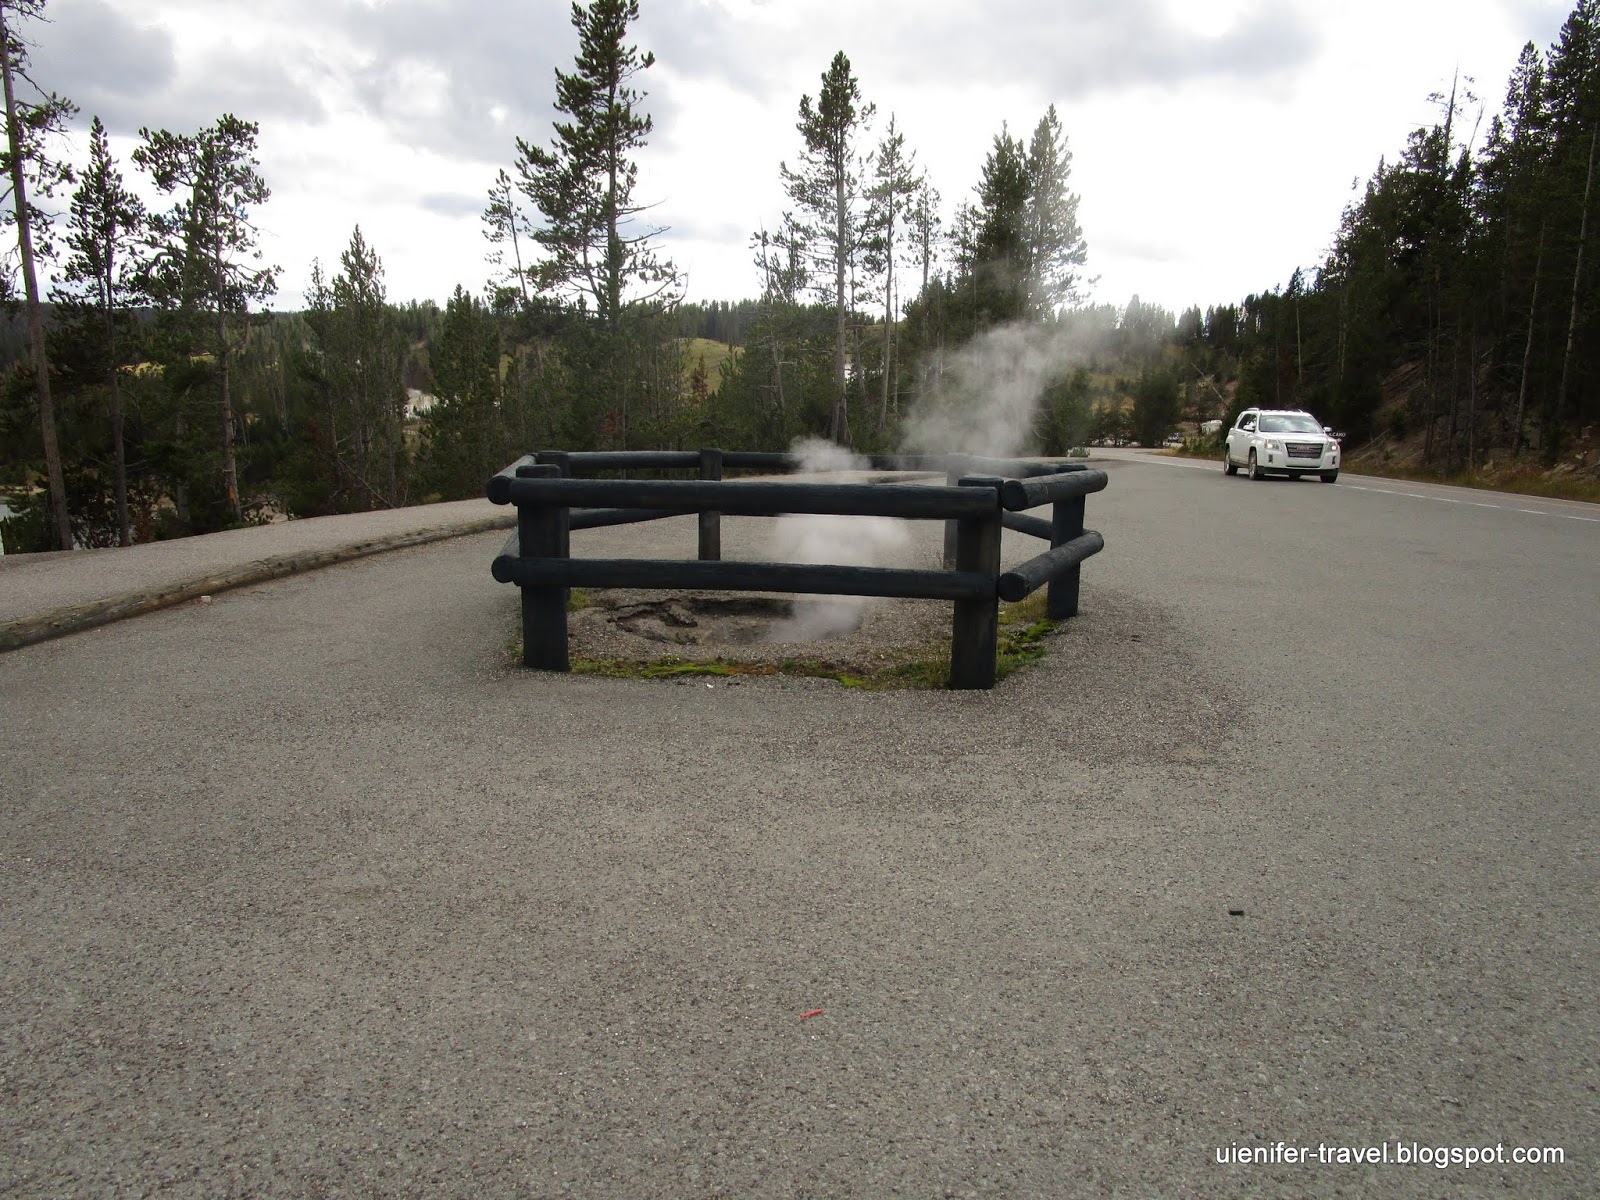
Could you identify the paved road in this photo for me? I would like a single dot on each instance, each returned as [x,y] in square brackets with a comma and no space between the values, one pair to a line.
[306,892]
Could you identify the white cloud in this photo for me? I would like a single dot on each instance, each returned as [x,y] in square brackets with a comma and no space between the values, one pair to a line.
[1214,140]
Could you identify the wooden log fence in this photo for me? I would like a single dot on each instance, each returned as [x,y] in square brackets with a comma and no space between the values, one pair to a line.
[979,498]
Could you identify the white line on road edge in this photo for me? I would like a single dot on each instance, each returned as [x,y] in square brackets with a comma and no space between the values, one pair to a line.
[1538,512]
[1356,487]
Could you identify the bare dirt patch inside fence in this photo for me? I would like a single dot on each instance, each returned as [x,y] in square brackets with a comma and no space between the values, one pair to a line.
[845,635]
[875,643]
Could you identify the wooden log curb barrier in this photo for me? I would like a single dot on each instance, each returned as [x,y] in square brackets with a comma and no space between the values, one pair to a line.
[552,499]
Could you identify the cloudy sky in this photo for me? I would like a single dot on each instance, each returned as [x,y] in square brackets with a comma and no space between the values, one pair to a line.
[1215,142]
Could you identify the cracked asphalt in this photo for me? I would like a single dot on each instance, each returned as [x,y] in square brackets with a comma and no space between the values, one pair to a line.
[310,891]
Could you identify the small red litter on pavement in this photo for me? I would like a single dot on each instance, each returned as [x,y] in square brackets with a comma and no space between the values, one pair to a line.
[815,1012]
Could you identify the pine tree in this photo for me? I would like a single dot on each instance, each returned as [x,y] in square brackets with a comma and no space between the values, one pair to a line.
[925,231]
[29,126]
[1512,213]
[1023,241]
[583,186]
[461,433]
[206,253]
[925,240]
[1575,117]
[784,277]
[895,185]
[826,190]
[1001,245]
[505,228]
[361,374]
[97,283]
[1055,245]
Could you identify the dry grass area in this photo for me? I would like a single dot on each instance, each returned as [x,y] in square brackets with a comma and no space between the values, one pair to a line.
[1575,477]
[713,354]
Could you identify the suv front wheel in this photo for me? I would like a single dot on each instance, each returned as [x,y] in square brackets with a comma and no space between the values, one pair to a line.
[1255,468]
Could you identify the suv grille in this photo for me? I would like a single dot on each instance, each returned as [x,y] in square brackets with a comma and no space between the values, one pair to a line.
[1304,449]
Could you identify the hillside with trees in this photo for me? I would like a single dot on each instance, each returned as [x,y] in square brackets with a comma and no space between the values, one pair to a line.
[147,395]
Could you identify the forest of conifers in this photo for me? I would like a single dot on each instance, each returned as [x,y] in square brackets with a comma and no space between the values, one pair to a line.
[146,393]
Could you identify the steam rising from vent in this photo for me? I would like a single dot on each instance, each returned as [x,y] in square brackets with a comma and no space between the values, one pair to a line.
[818,456]
[843,541]
[983,400]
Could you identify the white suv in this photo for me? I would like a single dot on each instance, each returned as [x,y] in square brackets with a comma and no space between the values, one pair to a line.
[1272,441]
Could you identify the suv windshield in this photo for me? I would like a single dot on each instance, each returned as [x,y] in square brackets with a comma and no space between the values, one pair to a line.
[1289,425]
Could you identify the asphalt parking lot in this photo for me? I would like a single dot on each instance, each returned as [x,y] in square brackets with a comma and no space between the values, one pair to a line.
[310,891]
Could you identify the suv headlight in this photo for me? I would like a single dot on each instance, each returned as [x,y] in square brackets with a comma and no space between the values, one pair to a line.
[1274,444]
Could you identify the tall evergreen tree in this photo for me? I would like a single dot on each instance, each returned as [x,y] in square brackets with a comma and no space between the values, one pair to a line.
[505,228]
[206,263]
[28,168]
[97,284]
[1024,244]
[376,350]
[895,185]
[1001,245]
[363,357]
[1055,245]
[925,229]
[583,186]
[462,439]
[1575,115]
[1513,217]
[826,189]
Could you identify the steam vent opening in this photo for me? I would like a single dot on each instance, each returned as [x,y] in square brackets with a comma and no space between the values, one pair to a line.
[692,620]
[757,629]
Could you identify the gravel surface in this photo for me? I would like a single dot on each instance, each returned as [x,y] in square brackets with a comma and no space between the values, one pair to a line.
[855,635]
[307,892]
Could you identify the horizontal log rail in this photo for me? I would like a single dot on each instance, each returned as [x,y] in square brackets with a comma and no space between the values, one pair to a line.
[598,518]
[806,578]
[748,498]
[1019,494]
[582,462]
[631,460]
[981,497]
[1023,523]
[1021,582]
[510,472]
[758,460]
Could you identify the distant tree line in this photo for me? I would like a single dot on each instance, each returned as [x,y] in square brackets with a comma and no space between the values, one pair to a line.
[147,395]
[1459,300]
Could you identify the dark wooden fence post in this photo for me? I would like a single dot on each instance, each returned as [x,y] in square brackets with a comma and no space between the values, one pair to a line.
[975,625]
[710,522]
[542,532]
[562,461]
[1066,523]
